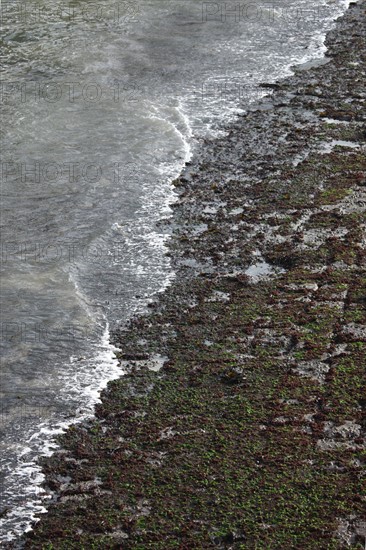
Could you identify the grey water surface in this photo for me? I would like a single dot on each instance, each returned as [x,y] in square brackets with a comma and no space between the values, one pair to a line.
[101,106]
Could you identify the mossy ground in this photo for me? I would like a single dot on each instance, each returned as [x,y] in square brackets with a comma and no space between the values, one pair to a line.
[252,435]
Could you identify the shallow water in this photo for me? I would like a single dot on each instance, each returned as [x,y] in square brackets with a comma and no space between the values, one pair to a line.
[101,108]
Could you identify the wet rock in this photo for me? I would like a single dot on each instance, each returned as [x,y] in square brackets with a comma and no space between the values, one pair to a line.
[232,376]
[194,436]
[134,356]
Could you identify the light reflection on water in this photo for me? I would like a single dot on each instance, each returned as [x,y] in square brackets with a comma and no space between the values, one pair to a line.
[98,113]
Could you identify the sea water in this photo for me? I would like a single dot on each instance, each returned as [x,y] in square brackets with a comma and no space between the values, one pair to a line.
[102,104]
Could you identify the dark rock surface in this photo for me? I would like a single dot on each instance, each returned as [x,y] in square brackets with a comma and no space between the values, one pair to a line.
[252,434]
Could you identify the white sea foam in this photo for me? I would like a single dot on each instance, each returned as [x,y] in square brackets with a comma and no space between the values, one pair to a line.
[86,377]
[27,477]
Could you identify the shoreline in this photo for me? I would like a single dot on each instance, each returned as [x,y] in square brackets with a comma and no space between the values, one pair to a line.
[252,433]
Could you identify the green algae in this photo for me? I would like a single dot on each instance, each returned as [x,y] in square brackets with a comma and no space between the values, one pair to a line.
[252,435]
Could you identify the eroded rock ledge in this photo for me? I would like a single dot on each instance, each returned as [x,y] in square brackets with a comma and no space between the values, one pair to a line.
[241,420]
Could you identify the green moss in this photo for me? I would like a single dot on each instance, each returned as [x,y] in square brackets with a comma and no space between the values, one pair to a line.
[221,447]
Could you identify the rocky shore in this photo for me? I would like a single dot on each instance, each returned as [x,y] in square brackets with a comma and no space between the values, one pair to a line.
[241,420]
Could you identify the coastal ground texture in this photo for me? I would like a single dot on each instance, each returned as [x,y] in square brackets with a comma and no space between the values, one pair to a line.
[252,433]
